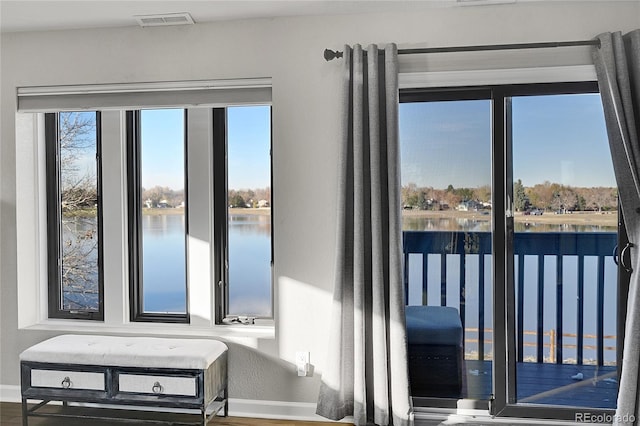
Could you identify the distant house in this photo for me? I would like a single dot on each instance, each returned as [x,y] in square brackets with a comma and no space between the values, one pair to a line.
[433,204]
[469,206]
[262,204]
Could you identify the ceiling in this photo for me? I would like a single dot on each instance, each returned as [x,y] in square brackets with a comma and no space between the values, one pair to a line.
[42,15]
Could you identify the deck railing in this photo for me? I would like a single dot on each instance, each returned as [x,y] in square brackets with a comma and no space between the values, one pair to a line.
[474,251]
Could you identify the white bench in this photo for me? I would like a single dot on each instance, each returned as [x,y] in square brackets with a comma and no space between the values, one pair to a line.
[154,372]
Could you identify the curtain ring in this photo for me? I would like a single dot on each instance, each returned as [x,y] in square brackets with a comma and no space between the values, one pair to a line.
[624,250]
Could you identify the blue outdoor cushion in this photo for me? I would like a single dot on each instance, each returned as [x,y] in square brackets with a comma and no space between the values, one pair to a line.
[433,325]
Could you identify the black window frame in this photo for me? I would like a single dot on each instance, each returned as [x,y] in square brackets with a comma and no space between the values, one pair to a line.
[54,223]
[134,216]
[221,214]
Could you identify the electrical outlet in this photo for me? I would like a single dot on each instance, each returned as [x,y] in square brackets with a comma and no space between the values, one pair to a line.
[302,363]
[302,357]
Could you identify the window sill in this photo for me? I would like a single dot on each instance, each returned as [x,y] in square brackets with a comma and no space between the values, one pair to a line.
[264,330]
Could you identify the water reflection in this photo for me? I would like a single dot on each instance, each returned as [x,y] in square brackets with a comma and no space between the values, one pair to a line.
[159,224]
[164,263]
[253,223]
[483,224]
[250,263]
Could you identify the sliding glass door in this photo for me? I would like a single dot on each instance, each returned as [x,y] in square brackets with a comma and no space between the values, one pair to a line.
[446,218]
[562,235]
[510,217]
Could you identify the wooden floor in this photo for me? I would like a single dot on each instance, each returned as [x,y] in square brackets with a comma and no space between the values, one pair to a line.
[11,414]
[536,383]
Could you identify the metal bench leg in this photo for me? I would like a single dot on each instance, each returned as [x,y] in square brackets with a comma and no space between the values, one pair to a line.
[25,413]
[225,410]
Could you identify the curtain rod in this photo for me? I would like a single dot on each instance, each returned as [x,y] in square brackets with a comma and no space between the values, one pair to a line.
[329,54]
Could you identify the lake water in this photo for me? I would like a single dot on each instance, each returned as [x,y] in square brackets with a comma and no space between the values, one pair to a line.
[250,272]
[164,265]
[249,264]
[412,223]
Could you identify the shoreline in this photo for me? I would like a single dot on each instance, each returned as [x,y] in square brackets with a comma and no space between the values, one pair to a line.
[264,211]
[574,218]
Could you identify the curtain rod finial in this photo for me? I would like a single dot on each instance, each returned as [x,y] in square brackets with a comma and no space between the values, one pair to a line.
[330,55]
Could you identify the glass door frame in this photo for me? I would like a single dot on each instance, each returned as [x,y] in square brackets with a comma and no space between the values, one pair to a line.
[504,402]
[441,95]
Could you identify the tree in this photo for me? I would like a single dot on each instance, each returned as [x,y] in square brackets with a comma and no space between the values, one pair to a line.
[78,200]
[520,200]
[542,195]
[465,194]
[158,194]
[237,201]
[564,199]
[77,145]
[600,198]
[483,193]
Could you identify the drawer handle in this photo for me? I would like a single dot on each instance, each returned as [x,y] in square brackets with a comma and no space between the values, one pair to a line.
[157,387]
[66,383]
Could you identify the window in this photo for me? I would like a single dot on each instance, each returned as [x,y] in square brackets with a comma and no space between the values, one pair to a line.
[157,215]
[159,240]
[242,185]
[74,215]
[510,216]
[160,213]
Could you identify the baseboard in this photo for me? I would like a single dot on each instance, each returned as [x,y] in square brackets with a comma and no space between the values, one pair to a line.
[9,393]
[303,411]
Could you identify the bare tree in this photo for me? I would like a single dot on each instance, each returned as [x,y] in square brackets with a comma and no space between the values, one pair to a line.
[600,198]
[78,203]
[564,199]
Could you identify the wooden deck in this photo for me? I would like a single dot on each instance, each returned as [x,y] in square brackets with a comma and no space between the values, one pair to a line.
[549,384]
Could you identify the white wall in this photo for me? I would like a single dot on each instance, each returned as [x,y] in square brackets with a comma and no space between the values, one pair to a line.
[305,142]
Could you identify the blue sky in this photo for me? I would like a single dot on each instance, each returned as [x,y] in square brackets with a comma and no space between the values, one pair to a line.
[162,152]
[558,138]
[249,139]
[561,139]
[444,143]
[249,145]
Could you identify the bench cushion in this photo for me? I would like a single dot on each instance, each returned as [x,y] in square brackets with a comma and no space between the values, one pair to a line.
[148,352]
[433,325]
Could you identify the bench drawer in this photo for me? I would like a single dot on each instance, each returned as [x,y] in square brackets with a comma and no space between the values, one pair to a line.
[61,379]
[157,385]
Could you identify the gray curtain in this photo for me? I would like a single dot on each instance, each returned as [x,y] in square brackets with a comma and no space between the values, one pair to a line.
[366,375]
[617,64]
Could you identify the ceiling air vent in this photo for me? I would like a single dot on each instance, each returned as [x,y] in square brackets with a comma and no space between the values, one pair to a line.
[482,2]
[164,19]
